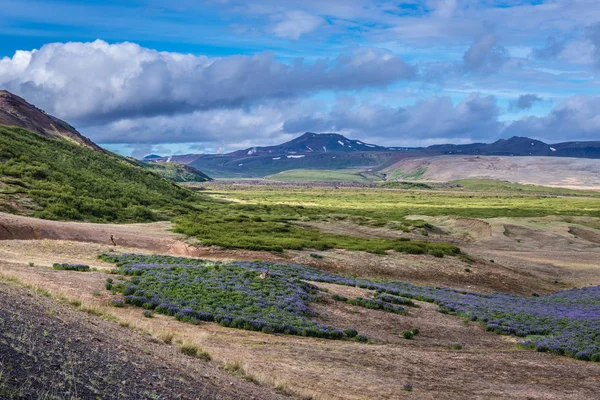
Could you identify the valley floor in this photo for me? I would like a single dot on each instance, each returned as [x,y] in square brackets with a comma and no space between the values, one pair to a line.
[529,255]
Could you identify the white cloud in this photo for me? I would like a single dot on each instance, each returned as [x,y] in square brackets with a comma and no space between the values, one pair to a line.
[485,55]
[293,24]
[475,117]
[576,118]
[90,82]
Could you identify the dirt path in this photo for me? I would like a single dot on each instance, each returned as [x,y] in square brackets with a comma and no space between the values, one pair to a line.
[156,237]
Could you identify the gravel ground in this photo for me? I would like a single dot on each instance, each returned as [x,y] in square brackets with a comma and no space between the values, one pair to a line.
[50,351]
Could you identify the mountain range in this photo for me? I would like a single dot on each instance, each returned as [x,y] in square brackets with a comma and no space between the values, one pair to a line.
[331,151]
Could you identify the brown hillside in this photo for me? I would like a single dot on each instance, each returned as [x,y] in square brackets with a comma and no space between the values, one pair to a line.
[16,111]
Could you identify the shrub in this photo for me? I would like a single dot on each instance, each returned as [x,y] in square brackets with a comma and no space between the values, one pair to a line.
[338,297]
[117,303]
[350,332]
[408,334]
[415,331]
[361,338]
[71,267]
[456,346]
[467,270]
[437,253]
[167,337]
[317,256]
[189,350]
[195,351]
[148,314]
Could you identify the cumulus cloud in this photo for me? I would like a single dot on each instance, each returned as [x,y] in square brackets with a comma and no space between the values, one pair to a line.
[485,55]
[475,117]
[91,82]
[525,102]
[293,24]
[576,118]
[581,49]
[214,127]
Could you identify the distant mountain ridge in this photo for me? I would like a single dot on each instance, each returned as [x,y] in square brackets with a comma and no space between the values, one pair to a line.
[335,151]
[312,143]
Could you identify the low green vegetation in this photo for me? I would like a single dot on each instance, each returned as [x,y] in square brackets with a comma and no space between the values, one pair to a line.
[314,175]
[60,180]
[175,172]
[380,207]
[399,173]
[268,218]
[491,185]
[272,228]
[406,185]
[276,298]
[71,267]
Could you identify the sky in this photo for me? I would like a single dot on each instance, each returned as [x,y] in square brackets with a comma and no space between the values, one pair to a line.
[194,76]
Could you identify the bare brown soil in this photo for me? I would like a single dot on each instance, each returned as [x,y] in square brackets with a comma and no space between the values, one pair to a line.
[156,237]
[576,173]
[518,255]
[50,351]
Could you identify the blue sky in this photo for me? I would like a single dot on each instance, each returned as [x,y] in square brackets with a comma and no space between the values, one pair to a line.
[217,75]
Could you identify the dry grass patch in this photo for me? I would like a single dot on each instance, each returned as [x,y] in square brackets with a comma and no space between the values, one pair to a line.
[193,350]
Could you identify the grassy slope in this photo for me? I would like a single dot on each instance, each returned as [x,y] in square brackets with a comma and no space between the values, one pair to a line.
[176,172]
[56,179]
[311,175]
[491,185]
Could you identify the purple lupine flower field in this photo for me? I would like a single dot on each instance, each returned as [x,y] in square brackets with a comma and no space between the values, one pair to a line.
[234,295]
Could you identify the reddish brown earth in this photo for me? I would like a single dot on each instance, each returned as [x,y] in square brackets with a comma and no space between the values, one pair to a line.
[15,111]
[156,237]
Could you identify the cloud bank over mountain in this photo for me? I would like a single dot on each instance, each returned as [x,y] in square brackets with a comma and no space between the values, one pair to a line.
[227,73]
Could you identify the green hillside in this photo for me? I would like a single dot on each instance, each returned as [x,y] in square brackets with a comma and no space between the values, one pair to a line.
[176,172]
[58,179]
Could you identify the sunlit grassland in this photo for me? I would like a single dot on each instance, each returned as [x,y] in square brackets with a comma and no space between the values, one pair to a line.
[490,185]
[388,205]
[264,217]
[311,175]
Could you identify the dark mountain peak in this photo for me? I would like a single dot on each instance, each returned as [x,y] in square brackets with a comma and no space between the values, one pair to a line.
[16,111]
[311,143]
[151,157]
[519,140]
